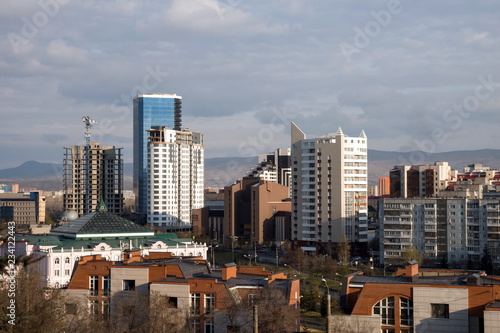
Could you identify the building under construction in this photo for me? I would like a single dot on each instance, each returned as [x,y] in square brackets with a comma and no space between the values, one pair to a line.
[93,173]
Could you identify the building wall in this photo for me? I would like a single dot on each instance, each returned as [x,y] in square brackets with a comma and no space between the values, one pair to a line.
[22,208]
[491,321]
[330,187]
[175,177]
[104,180]
[150,110]
[266,200]
[455,229]
[457,300]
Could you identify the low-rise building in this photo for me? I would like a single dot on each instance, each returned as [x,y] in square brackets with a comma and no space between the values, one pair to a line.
[22,208]
[98,233]
[420,300]
[209,300]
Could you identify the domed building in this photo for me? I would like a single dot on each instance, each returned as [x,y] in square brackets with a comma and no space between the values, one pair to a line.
[100,232]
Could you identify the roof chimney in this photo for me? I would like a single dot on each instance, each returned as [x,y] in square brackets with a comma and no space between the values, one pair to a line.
[411,271]
[228,271]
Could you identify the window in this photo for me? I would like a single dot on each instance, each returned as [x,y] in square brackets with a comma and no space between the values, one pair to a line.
[93,284]
[252,298]
[129,285]
[56,273]
[103,248]
[105,309]
[209,327]
[66,260]
[440,311]
[195,304]
[106,285]
[209,303]
[66,272]
[385,308]
[195,325]
[56,261]
[93,308]
[172,302]
[406,308]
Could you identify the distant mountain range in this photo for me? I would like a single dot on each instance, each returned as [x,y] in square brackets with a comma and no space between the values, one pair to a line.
[221,171]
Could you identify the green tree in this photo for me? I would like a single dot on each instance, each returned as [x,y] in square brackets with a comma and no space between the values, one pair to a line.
[412,253]
[486,261]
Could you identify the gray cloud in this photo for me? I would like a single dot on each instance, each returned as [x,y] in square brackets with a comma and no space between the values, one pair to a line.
[236,62]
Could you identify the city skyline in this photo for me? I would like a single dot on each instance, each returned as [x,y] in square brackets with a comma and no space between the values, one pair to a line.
[414,75]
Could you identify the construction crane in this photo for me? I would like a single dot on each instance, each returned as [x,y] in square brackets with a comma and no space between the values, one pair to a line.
[89,122]
[88,130]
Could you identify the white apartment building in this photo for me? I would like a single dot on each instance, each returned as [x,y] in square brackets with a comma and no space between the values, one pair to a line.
[175,177]
[329,188]
[456,229]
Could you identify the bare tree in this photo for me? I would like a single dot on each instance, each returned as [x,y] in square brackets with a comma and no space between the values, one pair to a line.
[37,309]
[351,324]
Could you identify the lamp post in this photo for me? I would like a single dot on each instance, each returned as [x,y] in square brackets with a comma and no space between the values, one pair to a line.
[328,306]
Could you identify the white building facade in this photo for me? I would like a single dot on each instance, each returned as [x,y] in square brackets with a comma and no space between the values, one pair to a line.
[175,177]
[454,229]
[329,188]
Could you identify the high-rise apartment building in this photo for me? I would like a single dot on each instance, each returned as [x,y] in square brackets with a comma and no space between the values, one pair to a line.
[93,173]
[384,186]
[412,181]
[280,159]
[150,110]
[175,177]
[330,184]
[454,229]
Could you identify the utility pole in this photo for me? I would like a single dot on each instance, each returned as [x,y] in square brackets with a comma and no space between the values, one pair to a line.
[328,306]
[255,318]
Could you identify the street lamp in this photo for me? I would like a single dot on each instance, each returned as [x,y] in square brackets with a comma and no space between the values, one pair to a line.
[328,306]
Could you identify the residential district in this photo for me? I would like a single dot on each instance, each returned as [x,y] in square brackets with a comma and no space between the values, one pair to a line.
[303,242]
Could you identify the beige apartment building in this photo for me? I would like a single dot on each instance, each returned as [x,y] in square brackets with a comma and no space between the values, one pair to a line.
[329,188]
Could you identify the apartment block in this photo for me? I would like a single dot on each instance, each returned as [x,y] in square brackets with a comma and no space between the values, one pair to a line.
[384,186]
[420,300]
[175,177]
[454,229]
[150,110]
[330,188]
[250,208]
[413,181]
[22,208]
[93,173]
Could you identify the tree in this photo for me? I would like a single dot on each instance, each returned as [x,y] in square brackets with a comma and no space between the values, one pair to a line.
[37,309]
[487,261]
[412,253]
[344,251]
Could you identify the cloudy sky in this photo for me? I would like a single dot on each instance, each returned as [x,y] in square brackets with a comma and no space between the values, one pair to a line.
[413,74]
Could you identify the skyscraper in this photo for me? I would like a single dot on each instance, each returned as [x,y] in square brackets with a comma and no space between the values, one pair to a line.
[150,110]
[85,185]
[329,188]
[175,177]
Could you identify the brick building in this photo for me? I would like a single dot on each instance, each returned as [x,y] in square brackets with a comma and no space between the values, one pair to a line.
[422,300]
[211,300]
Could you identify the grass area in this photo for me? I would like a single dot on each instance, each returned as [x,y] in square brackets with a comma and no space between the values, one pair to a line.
[312,322]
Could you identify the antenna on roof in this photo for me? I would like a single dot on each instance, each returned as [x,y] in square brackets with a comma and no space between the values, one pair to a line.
[89,122]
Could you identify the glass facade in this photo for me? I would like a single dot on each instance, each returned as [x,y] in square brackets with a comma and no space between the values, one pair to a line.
[150,110]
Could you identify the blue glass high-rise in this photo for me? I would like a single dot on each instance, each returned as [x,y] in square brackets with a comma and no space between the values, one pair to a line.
[150,110]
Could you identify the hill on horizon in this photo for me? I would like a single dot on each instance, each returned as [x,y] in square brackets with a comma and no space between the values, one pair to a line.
[221,171]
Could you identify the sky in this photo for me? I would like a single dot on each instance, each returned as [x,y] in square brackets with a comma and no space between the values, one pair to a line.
[414,75]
